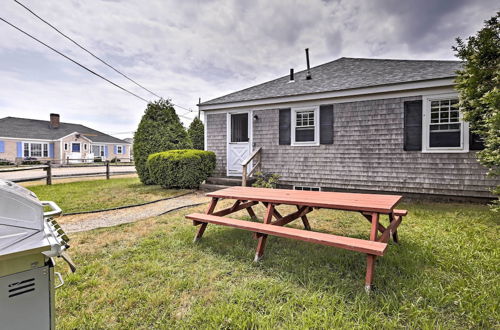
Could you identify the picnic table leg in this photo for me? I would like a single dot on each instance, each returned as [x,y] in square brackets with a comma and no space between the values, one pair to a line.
[203,226]
[395,233]
[370,259]
[251,213]
[262,237]
[307,226]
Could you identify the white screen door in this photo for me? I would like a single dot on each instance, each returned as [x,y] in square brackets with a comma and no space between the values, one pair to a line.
[238,142]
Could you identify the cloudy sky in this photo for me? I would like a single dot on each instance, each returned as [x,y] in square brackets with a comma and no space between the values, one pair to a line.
[194,48]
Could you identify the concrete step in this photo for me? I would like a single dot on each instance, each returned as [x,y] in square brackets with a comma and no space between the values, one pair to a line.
[211,187]
[227,181]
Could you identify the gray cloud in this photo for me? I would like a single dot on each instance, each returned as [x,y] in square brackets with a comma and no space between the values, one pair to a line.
[187,49]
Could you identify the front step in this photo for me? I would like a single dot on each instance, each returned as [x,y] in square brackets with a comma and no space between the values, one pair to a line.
[211,187]
[217,183]
[228,181]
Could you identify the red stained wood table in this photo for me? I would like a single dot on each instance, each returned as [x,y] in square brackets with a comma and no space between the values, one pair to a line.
[371,206]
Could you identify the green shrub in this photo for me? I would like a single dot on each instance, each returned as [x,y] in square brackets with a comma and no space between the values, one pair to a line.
[159,130]
[180,168]
[266,180]
[31,161]
[6,162]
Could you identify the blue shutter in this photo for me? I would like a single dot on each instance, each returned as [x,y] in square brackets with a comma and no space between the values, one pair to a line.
[51,150]
[105,151]
[2,146]
[116,149]
[124,150]
[19,146]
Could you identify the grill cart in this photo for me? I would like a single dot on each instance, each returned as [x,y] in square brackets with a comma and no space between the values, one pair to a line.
[30,240]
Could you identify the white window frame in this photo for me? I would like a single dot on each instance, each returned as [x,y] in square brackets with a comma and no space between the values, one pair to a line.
[44,145]
[294,126]
[119,149]
[426,122]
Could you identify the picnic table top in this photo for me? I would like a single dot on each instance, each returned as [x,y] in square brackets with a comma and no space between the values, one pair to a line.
[333,200]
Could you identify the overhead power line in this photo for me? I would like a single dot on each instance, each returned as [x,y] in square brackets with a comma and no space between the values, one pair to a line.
[72,60]
[85,49]
[93,55]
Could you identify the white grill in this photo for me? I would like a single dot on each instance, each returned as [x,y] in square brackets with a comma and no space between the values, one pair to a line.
[30,239]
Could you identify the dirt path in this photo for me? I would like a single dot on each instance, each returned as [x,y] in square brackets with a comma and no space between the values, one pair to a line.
[84,222]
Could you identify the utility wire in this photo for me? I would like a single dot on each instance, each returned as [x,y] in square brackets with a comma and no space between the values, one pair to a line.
[92,54]
[72,60]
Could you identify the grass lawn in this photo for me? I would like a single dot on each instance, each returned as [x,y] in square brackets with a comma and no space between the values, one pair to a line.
[100,194]
[444,274]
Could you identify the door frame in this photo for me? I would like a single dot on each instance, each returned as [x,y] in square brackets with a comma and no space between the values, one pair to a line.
[228,135]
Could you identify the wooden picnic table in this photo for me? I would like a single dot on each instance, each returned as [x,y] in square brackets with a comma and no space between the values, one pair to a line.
[371,206]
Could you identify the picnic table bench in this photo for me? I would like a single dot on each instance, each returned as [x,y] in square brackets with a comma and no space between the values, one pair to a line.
[371,206]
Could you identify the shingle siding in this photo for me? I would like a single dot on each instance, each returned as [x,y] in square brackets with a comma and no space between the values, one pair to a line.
[217,141]
[367,154]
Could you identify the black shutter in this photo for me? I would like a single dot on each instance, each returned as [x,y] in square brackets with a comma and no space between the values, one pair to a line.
[413,125]
[326,124]
[475,142]
[285,126]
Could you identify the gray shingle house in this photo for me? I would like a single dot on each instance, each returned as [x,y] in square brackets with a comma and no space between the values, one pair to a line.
[353,124]
[22,138]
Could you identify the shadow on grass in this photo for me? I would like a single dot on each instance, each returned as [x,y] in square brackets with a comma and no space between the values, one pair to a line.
[321,267]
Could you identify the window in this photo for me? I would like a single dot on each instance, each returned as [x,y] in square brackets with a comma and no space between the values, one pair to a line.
[119,150]
[98,150]
[444,129]
[84,146]
[35,149]
[75,147]
[66,147]
[305,130]
[239,127]
[304,188]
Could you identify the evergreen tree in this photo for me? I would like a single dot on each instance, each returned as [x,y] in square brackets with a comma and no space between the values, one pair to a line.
[196,132]
[159,130]
[478,84]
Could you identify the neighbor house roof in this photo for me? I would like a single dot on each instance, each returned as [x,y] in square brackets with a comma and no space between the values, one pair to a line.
[24,128]
[343,74]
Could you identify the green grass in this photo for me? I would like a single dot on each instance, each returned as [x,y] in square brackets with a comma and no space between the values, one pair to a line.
[443,274]
[100,194]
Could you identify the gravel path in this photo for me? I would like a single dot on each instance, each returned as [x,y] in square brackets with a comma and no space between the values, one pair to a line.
[84,222]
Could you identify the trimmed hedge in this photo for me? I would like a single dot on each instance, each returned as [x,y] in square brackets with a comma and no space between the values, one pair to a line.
[180,168]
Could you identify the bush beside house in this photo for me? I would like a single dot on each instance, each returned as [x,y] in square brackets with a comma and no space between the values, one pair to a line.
[159,130]
[180,168]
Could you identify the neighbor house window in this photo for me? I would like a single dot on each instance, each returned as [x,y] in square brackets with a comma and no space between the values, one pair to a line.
[444,128]
[305,130]
[35,149]
[119,150]
[98,150]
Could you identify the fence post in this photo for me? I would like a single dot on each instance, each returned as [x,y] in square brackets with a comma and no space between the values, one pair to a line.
[107,170]
[49,173]
[67,160]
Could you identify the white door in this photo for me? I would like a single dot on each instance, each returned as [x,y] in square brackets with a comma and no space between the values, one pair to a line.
[238,146]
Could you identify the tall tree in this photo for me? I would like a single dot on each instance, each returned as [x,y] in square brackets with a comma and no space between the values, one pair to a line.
[478,84]
[196,132]
[159,130]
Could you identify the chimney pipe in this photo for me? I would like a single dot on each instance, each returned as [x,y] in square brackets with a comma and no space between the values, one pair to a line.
[308,76]
[292,76]
[54,120]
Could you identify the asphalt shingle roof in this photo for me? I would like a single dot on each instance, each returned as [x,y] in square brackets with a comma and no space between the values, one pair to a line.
[346,73]
[24,128]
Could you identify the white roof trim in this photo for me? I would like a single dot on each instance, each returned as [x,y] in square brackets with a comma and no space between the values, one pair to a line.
[81,135]
[335,94]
